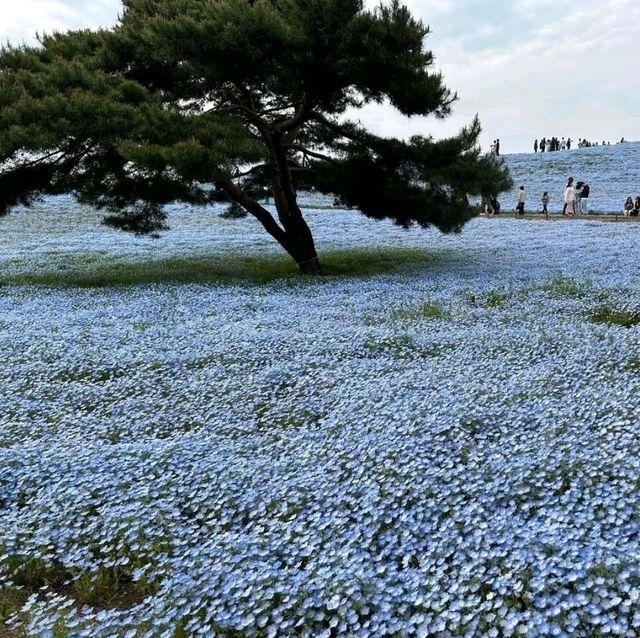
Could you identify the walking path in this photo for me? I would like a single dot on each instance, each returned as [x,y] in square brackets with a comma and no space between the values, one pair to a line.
[558,217]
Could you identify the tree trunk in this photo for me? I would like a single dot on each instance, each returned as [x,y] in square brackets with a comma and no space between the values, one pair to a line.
[300,244]
[294,235]
[301,247]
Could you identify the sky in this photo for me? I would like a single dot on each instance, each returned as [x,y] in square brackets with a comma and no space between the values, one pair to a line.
[529,68]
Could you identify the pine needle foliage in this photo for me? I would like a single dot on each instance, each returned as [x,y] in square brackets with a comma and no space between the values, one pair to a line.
[199,101]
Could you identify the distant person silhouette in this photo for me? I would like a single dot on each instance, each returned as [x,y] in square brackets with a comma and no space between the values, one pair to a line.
[522,199]
[578,205]
[628,207]
[584,200]
[545,203]
[488,207]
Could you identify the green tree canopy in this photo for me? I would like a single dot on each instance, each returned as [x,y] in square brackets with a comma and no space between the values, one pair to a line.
[210,100]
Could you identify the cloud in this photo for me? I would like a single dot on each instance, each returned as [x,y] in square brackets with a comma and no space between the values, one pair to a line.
[21,19]
[532,68]
[528,67]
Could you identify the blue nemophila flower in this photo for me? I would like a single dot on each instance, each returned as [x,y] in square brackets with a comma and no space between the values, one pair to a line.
[443,451]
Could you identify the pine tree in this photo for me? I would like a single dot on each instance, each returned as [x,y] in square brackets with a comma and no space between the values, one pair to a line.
[223,100]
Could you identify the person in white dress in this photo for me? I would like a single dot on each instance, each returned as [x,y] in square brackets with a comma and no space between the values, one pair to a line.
[570,198]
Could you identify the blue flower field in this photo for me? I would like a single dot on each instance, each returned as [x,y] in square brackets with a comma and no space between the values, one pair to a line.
[447,449]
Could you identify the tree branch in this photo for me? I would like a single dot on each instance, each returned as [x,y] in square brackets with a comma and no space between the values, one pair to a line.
[293,123]
[340,129]
[61,152]
[248,172]
[251,206]
[306,151]
[277,108]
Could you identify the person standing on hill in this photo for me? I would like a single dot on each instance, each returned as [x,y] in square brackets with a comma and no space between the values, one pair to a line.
[628,207]
[578,205]
[563,145]
[545,203]
[498,147]
[522,199]
[569,144]
[488,207]
[535,146]
[543,144]
[584,200]
[569,199]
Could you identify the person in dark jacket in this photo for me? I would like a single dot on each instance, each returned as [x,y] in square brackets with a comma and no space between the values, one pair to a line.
[488,207]
[636,207]
[628,207]
[584,201]
[545,203]
[578,205]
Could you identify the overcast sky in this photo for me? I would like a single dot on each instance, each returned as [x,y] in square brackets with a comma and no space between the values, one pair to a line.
[528,67]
